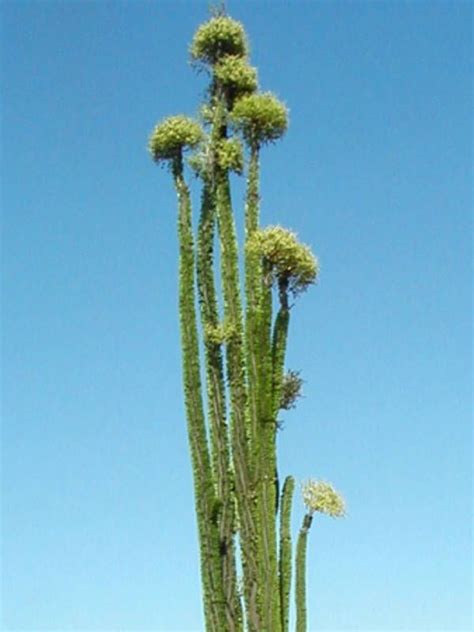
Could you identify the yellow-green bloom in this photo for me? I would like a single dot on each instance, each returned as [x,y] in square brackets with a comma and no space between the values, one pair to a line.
[262,118]
[235,74]
[230,155]
[172,135]
[321,496]
[218,37]
[289,260]
[220,333]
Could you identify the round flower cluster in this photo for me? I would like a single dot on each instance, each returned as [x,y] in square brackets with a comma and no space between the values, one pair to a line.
[322,497]
[290,261]
[218,37]
[262,118]
[172,135]
[230,155]
[220,333]
[235,74]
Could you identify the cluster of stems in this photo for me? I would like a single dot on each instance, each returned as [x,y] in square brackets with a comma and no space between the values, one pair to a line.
[234,332]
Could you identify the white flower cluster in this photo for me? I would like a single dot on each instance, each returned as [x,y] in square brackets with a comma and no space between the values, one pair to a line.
[321,496]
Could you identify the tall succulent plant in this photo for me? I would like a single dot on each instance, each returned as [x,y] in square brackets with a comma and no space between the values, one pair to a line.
[243,522]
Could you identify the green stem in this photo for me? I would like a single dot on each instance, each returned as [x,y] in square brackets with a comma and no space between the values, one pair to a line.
[279,342]
[253,276]
[300,589]
[285,551]
[217,410]
[252,265]
[205,498]
[238,394]
[266,466]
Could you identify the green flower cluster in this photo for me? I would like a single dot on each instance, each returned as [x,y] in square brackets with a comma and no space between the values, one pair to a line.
[230,155]
[218,37]
[322,497]
[234,73]
[219,334]
[172,135]
[290,261]
[262,118]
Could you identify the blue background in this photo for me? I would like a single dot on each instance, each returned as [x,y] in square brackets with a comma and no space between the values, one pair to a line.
[374,173]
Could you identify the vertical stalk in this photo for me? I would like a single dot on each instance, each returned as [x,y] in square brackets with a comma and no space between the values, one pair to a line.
[217,409]
[238,395]
[252,196]
[266,466]
[253,275]
[285,551]
[279,341]
[300,589]
[205,499]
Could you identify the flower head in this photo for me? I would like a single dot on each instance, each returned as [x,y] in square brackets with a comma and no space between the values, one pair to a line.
[321,496]
[262,118]
[172,135]
[230,155]
[288,259]
[218,37]
[235,74]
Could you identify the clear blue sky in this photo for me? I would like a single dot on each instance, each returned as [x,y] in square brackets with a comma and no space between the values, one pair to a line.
[375,173]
